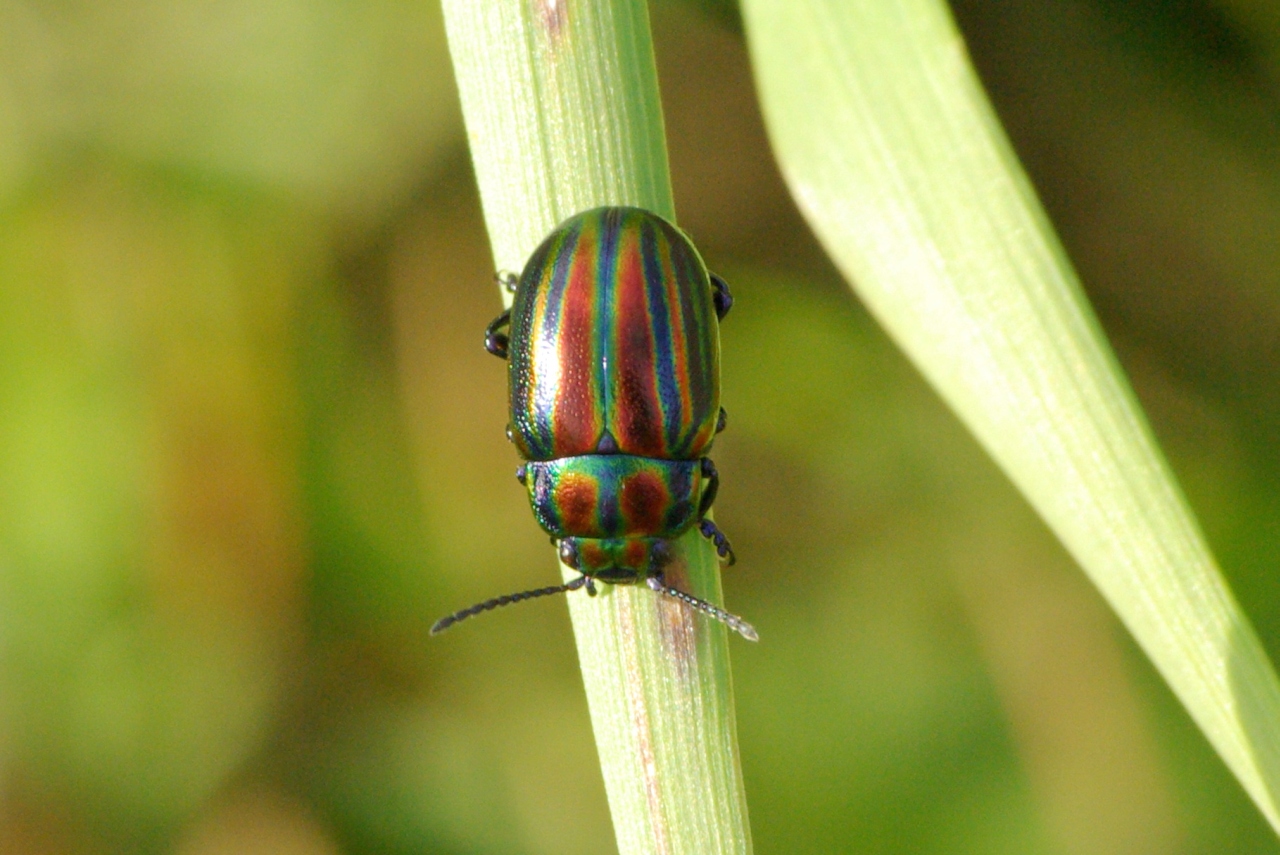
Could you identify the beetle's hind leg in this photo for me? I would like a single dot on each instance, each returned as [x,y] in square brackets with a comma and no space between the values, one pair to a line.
[708,528]
[722,297]
[496,341]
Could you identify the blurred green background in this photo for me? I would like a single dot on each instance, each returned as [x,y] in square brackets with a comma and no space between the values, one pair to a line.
[251,447]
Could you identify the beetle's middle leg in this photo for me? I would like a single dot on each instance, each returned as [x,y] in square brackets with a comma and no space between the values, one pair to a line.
[496,341]
[708,528]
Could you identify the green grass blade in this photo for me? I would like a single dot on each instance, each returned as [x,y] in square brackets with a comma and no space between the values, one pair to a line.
[562,113]
[894,154]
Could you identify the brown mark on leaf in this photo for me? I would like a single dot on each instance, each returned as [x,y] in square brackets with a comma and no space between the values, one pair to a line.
[678,622]
[552,16]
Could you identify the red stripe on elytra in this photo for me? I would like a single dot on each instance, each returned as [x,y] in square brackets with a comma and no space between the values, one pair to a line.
[636,403]
[577,418]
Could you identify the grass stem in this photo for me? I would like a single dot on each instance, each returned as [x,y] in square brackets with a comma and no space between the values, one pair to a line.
[562,113]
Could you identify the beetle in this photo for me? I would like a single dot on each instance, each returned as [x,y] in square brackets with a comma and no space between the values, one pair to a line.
[613,350]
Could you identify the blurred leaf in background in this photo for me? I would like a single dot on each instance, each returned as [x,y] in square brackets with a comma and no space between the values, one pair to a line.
[250,448]
[345,104]
[151,545]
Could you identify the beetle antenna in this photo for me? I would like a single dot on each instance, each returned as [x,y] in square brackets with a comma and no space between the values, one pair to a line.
[446,622]
[732,621]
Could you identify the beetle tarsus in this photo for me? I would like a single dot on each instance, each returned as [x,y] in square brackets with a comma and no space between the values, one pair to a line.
[722,420]
[737,624]
[506,600]
[716,536]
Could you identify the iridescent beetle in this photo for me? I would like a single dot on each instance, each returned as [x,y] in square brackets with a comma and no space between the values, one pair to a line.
[614,348]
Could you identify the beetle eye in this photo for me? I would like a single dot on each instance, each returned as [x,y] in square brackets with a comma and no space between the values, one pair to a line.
[569,553]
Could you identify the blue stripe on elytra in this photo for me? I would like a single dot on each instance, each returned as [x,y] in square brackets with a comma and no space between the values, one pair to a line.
[660,314]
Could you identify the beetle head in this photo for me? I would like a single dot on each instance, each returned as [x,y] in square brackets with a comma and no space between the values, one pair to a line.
[620,560]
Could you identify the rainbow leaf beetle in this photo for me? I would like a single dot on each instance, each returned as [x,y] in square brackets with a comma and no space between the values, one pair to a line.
[613,349]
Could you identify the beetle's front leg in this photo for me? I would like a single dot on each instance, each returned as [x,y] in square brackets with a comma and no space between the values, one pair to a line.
[507,280]
[495,341]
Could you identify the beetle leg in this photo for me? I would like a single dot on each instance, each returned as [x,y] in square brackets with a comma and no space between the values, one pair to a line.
[706,526]
[723,299]
[713,486]
[712,533]
[507,280]
[496,342]
[658,584]
[722,420]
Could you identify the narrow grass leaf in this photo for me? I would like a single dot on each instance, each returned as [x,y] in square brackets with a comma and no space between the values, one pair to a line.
[562,113]
[895,156]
